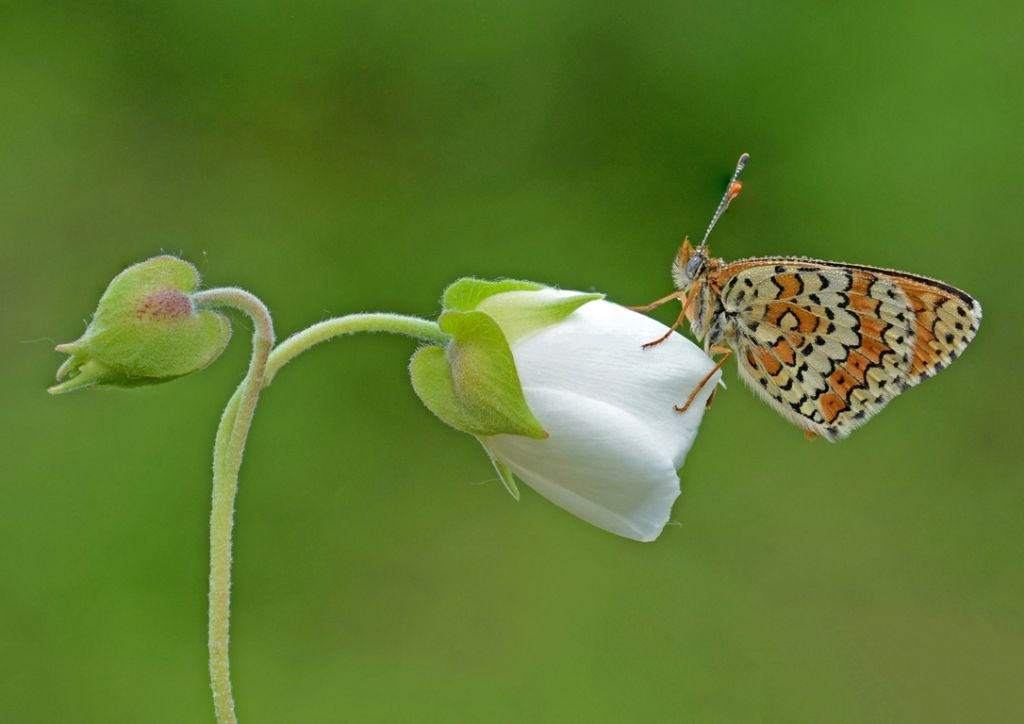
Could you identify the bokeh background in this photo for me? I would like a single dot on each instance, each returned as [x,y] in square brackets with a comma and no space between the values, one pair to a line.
[351,156]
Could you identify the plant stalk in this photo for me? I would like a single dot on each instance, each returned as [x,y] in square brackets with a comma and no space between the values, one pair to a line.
[422,329]
[230,446]
[227,460]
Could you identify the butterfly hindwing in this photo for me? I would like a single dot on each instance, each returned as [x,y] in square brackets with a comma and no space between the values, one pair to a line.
[828,345]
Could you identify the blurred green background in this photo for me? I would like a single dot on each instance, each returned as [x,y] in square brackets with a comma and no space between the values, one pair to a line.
[352,156]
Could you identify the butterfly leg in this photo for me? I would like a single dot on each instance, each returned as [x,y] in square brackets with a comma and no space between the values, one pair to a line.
[669,331]
[685,301]
[658,302]
[715,349]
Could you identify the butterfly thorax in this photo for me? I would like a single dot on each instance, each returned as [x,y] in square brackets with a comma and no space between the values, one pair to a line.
[695,274]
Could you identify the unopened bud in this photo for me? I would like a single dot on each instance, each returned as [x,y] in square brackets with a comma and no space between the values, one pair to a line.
[146,329]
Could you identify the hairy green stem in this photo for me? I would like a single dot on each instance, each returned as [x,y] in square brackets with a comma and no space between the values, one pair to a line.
[422,329]
[227,460]
[230,445]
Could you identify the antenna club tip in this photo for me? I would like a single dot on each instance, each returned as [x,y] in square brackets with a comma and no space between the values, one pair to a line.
[743,160]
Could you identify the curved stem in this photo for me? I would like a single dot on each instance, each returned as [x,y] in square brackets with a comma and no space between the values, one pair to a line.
[422,329]
[230,445]
[227,460]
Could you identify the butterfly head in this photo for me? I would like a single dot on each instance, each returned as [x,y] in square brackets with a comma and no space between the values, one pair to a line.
[690,264]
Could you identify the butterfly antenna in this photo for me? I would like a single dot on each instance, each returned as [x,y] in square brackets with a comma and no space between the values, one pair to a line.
[731,192]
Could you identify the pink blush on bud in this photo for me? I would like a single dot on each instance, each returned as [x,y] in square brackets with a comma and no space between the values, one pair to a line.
[167,304]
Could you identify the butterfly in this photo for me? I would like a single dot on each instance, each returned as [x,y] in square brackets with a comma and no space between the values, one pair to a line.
[826,344]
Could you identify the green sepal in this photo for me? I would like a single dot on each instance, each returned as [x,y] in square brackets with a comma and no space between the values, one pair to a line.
[512,305]
[505,475]
[520,313]
[146,329]
[86,374]
[432,381]
[472,384]
[466,294]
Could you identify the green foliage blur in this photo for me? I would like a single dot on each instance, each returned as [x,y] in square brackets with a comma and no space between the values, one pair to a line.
[358,156]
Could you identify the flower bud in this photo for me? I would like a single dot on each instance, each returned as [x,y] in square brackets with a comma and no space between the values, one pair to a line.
[146,329]
[526,358]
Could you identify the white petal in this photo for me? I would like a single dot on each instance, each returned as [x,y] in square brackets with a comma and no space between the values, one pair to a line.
[597,353]
[616,441]
[599,463]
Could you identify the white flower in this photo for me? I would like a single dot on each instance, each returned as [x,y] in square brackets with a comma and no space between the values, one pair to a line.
[557,387]
[615,440]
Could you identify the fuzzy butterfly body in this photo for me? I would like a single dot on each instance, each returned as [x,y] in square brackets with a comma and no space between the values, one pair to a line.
[826,344]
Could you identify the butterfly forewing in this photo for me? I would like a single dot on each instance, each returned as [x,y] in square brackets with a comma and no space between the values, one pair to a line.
[828,345]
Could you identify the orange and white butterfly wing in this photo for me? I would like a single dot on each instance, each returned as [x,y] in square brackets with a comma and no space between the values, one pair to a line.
[945,320]
[829,345]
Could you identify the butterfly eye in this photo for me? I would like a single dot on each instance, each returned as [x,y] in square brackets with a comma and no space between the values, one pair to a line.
[694,266]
